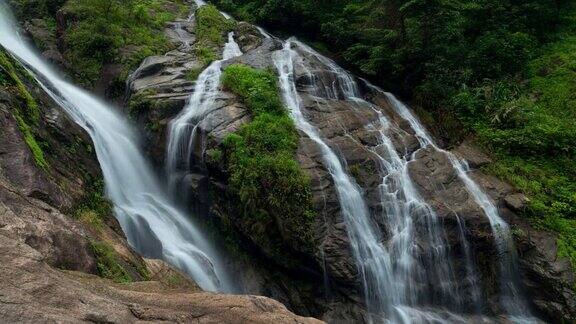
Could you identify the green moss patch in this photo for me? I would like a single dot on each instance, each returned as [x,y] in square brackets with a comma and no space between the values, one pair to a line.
[109,263]
[94,208]
[123,32]
[141,102]
[193,74]
[211,30]
[261,155]
[26,115]
[30,140]
[11,77]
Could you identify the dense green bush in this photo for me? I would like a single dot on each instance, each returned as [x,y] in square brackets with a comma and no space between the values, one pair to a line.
[36,8]
[261,155]
[529,126]
[115,31]
[211,30]
[424,48]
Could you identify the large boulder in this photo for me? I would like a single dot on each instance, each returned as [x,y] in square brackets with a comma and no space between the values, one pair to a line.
[36,291]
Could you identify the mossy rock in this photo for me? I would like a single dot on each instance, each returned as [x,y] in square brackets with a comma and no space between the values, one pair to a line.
[274,193]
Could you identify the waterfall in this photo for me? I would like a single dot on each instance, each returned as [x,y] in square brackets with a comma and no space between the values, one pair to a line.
[183,35]
[393,275]
[401,209]
[402,283]
[263,32]
[182,129]
[150,220]
[471,272]
[373,260]
[511,297]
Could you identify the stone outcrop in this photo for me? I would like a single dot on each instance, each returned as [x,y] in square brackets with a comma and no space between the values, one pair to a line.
[34,238]
[46,41]
[248,36]
[159,89]
[36,292]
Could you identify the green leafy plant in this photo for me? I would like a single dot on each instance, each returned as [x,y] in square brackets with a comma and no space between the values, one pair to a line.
[108,263]
[211,30]
[123,32]
[261,155]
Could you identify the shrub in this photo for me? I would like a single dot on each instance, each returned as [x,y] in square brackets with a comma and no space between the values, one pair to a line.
[115,31]
[261,155]
[211,30]
[36,8]
[211,26]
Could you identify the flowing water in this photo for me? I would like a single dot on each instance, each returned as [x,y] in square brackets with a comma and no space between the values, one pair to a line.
[471,272]
[392,273]
[151,222]
[511,297]
[183,35]
[182,131]
[373,259]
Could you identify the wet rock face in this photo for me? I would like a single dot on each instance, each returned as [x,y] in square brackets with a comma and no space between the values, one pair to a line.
[247,36]
[353,129]
[260,57]
[60,183]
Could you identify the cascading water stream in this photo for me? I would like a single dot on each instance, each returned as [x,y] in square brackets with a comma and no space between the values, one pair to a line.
[182,34]
[403,206]
[153,226]
[182,130]
[472,275]
[263,32]
[374,262]
[511,297]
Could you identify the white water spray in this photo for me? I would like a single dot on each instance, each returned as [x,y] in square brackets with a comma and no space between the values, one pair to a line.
[511,298]
[414,277]
[182,130]
[373,259]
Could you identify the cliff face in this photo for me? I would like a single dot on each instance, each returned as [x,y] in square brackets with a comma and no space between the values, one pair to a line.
[53,258]
[346,126]
[63,256]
